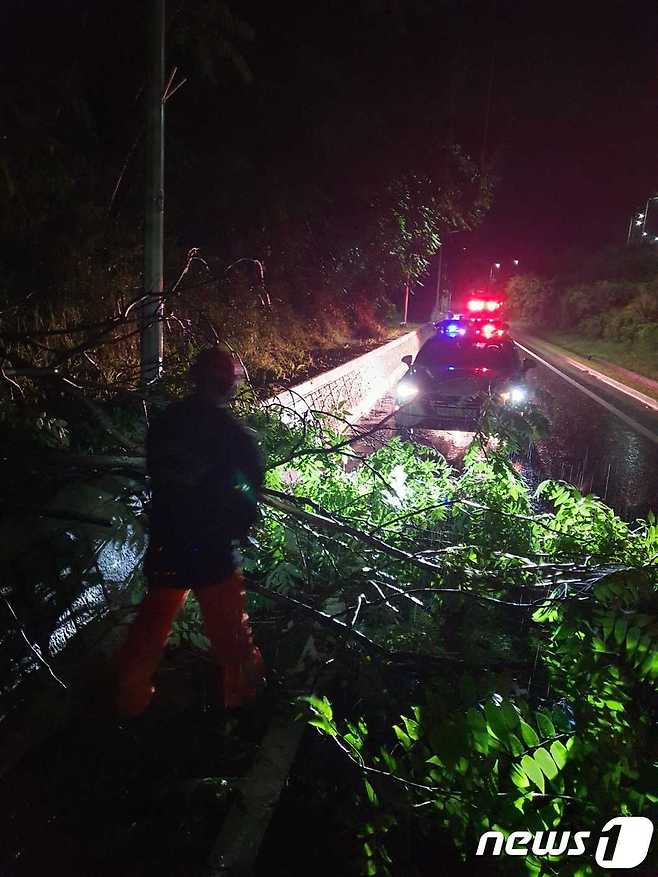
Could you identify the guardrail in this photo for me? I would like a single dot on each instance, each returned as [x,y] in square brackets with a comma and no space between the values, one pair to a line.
[355,386]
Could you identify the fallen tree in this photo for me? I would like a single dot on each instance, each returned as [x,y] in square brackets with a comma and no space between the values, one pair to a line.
[513,631]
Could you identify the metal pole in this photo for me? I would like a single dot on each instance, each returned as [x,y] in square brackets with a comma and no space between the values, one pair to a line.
[630,229]
[437,304]
[151,348]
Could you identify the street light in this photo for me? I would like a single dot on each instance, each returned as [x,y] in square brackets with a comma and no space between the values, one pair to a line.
[644,216]
[638,220]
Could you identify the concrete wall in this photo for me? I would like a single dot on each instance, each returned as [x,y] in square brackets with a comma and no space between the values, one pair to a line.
[355,386]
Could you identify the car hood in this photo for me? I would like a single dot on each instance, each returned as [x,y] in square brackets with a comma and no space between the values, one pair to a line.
[460,382]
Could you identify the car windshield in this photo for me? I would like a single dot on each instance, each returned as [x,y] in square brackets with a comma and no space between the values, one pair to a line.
[437,354]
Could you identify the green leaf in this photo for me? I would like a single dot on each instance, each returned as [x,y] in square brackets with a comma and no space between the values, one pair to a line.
[518,777]
[632,639]
[559,753]
[354,741]
[529,734]
[411,727]
[545,725]
[546,763]
[402,736]
[643,644]
[621,626]
[533,771]
[649,666]
[608,623]
[515,745]
[477,725]
[509,715]
[324,725]
[389,760]
[370,792]
[532,866]
[496,720]
[321,705]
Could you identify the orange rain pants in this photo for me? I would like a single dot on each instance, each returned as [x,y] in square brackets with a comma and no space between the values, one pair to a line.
[226,624]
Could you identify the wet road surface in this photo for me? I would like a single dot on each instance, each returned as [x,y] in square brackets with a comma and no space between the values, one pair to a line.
[614,455]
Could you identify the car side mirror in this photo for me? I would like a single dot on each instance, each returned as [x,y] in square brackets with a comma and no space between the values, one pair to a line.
[528,364]
[407,360]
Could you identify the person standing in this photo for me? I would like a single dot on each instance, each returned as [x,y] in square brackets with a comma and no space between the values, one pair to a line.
[205,471]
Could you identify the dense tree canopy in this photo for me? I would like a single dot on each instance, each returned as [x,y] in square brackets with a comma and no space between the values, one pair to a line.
[263,162]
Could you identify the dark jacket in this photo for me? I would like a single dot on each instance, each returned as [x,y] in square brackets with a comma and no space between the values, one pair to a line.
[205,473]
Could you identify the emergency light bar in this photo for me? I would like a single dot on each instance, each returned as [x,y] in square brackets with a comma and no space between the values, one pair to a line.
[474,326]
[478,305]
[489,330]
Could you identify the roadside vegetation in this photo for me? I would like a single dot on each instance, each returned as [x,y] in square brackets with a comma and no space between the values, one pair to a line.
[282,246]
[605,306]
[493,650]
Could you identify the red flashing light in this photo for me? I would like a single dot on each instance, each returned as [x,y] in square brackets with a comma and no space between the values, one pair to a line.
[489,330]
[477,305]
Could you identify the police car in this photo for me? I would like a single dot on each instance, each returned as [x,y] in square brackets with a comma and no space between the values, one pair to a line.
[466,362]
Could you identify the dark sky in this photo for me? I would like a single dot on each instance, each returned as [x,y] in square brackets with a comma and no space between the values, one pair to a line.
[573,118]
[573,122]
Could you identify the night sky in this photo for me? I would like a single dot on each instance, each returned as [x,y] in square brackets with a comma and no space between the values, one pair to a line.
[573,113]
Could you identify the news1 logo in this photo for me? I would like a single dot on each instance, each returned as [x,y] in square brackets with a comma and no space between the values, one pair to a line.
[623,842]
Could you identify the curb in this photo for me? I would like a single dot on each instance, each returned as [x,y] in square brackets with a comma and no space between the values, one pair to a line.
[642,398]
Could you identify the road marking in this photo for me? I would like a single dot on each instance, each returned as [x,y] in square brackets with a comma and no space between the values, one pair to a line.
[629,421]
[645,400]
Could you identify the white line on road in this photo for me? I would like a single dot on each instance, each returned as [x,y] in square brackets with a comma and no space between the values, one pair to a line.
[629,421]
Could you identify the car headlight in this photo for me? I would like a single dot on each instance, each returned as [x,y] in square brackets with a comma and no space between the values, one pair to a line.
[515,395]
[406,391]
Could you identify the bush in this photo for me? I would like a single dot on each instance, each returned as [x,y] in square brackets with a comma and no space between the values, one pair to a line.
[532,299]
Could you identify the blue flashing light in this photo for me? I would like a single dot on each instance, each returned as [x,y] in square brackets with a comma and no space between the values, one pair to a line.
[451,368]
[453,329]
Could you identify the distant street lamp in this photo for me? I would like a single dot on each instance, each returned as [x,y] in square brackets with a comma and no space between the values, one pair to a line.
[637,220]
[644,216]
